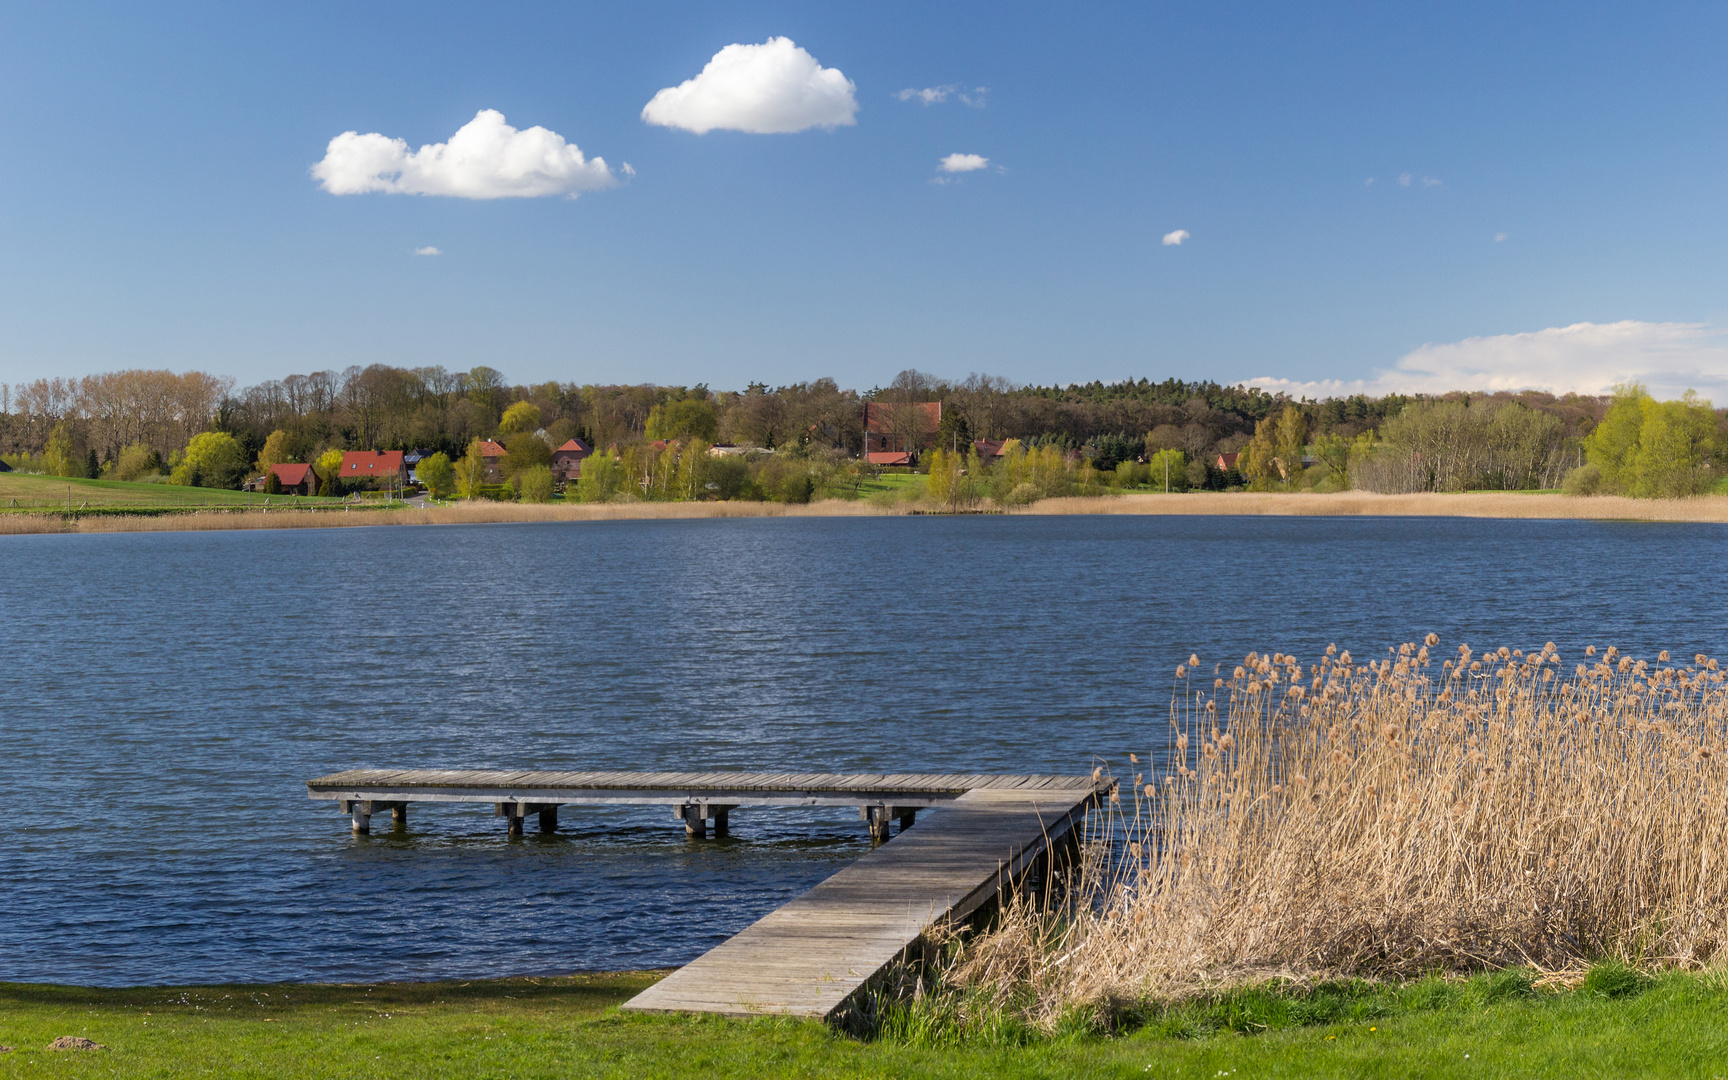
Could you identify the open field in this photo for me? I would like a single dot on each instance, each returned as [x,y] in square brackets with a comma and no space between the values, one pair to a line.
[1492,1026]
[1709,508]
[27,491]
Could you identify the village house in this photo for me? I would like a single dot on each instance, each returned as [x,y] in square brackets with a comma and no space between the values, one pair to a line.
[990,451]
[296,479]
[567,460]
[896,434]
[1226,462]
[492,454]
[379,466]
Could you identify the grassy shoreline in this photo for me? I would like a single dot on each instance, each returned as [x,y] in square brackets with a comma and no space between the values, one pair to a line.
[1500,505]
[1493,1025]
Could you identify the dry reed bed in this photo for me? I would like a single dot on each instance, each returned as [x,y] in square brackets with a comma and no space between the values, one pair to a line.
[1484,504]
[1392,818]
[1341,504]
[459,514]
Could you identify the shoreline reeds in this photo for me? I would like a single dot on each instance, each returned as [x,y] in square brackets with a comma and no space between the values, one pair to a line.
[1501,505]
[1407,816]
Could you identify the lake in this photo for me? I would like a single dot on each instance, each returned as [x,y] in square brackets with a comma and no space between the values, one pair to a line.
[164,696]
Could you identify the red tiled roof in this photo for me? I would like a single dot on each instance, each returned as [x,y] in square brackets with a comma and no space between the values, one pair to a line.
[371,462]
[989,448]
[574,446]
[1226,461]
[291,475]
[883,457]
[488,448]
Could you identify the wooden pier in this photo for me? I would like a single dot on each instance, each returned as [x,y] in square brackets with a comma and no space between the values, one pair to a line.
[812,956]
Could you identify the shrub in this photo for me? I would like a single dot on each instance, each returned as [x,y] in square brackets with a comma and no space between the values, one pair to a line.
[535,484]
[136,462]
[1584,480]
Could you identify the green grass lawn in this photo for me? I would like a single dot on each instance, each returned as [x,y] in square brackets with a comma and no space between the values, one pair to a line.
[570,1027]
[35,492]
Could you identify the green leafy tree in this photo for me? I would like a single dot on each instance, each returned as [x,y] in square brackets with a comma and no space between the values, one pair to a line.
[1168,470]
[1653,449]
[58,458]
[274,451]
[213,459]
[602,478]
[524,451]
[328,469]
[471,472]
[438,474]
[535,484]
[687,418]
[272,483]
[524,416]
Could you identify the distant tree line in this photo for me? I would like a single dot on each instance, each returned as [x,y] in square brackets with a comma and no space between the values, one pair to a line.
[138,424]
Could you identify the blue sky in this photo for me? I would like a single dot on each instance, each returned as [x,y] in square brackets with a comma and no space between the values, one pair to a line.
[1562,225]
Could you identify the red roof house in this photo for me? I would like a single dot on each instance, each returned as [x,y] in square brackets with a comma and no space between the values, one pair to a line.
[567,459]
[1226,462]
[373,465]
[296,479]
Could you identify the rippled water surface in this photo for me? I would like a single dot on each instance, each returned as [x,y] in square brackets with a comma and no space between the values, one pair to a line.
[163,697]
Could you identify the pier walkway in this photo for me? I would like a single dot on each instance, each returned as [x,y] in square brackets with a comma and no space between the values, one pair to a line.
[813,955]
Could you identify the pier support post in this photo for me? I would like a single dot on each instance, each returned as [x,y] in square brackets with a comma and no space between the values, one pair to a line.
[549,819]
[907,815]
[361,812]
[399,817]
[512,811]
[695,823]
[878,818]
[722,820]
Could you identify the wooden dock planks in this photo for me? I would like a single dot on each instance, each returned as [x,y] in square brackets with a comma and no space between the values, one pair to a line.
[811,956]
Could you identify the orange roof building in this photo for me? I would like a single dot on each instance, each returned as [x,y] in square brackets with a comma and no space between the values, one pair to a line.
[373,465]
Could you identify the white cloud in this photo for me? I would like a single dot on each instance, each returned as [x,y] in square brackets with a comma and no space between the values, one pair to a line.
[1584,358]
[1403,179]
[1429,181]
[770,89]
[428,250]
[959,163]
[1499,238]
[936,95]
[485,159]
[1174,239]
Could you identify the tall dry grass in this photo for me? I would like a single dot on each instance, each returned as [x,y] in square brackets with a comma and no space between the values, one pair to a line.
[1395,817]
[458,514]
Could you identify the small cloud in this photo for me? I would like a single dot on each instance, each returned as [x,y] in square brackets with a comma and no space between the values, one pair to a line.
[1403,179]
[959,163]
[428,250]
[1499,238]
[930,95]
[1429,181]
[1174,239]
[936,95]
[485,159]
[774,88]
[1584,358]
[1368,182]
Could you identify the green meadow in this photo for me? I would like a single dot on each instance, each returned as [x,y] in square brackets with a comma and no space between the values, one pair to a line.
[1616,1024]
